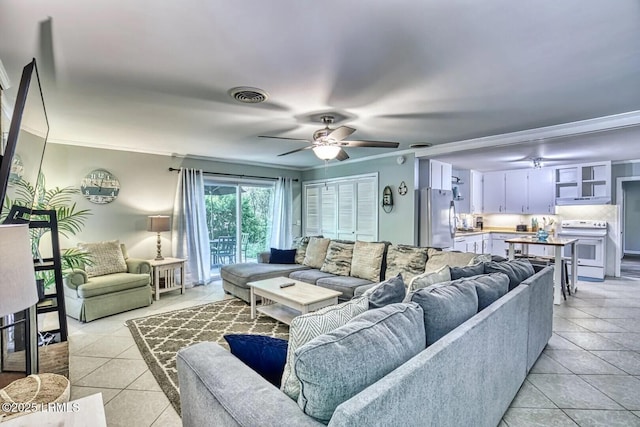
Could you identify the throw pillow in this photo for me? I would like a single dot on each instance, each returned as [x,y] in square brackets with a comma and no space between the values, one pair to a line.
[336,366]
[480,258]
[338,258]
[308,326]
[466,271]
[517,270]
[452,259]
[367,260]
[265,355]
[427,279]
[446,306]
[407,260]
[490,287]
[388,292]
[282,256]
[106,258]
[316,252]
[300,245]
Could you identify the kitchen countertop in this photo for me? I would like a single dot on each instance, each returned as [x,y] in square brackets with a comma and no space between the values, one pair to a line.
[502,230]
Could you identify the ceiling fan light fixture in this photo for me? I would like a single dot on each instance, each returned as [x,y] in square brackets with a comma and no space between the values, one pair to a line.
[326,152]
[537,163]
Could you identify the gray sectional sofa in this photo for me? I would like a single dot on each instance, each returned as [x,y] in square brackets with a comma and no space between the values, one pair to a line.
[343,266]
[467,377]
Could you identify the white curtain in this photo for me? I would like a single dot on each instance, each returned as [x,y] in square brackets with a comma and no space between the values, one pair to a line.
[282,226]
[189,234]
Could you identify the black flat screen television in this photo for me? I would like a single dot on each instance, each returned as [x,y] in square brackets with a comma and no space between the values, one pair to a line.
[25,143]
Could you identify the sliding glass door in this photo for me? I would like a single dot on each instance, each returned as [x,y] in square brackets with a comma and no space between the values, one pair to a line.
[238,221]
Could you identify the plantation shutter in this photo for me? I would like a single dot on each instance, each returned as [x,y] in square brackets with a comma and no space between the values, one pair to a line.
[344,208]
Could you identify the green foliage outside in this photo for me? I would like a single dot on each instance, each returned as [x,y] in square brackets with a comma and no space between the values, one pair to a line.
[256,211]
[70,219]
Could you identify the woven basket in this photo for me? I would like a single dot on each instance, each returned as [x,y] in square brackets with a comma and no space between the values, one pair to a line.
[38,390]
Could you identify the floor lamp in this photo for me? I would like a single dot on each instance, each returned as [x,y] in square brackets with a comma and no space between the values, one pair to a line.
[18,289]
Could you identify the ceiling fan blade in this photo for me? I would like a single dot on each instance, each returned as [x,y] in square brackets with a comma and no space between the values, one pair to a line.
[378,144]
[341,133]
[47,64]
[282,137]
[295,151]
[342,155]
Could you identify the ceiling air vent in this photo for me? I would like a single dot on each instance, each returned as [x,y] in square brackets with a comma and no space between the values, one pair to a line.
[248,95]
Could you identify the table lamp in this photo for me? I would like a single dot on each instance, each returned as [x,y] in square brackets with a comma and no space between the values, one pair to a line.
[158,224]
[18,289]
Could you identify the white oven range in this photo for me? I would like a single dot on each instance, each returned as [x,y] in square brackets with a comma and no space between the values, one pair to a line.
[591,246]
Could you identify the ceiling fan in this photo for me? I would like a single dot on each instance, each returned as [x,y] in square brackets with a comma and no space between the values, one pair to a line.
[328,143]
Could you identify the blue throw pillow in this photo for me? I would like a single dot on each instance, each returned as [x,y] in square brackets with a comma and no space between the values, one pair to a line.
[282,256]
[265,355]
[390,291]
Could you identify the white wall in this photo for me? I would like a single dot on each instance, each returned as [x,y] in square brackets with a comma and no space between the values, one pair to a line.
[147,188]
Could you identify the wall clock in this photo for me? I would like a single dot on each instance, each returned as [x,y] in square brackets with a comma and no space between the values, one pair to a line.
[100,186]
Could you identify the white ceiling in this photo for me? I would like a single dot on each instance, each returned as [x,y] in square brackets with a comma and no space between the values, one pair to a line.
[153,75]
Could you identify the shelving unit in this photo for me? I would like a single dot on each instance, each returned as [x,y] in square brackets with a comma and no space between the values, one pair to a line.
[583,183]
[53,302]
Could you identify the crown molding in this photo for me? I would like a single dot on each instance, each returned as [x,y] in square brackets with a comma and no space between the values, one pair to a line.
[599,124]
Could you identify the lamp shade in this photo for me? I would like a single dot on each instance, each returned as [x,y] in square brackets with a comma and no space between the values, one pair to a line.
[326,152]
[159,223]
[17,276]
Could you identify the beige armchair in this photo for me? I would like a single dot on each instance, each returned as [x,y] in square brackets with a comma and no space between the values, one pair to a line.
[112,284]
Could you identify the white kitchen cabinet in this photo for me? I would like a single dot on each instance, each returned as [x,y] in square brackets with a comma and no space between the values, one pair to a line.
[519,191]
[541,191]
[474,243]
[498,245]
[475,192]
[587,183]
[516,191]
[494,192]
[460,244]
[486,243]
[440,175]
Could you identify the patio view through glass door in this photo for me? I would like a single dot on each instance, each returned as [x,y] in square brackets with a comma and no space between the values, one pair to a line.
[238,221]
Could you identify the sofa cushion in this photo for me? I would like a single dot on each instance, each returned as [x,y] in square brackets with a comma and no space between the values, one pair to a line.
[316,252]
[111,283]
[308,326]
[427,279]
[407,260]
[338,258]
[282,256]
[265,355]
[446,306]
[106,258]
[309,276]
[490,287]
[388,292]
[336,366]
[300,245]
[240,274]
[452,259]
[466,271]
[517,270]
[345,284]
[367,260]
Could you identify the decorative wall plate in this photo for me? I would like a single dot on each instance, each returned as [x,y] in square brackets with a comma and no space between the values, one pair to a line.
[100,186]
[402,189]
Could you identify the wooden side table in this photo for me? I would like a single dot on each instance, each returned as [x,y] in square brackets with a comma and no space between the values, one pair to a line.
[163,275]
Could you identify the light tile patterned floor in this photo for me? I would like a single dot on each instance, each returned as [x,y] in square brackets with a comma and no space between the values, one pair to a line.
[589,374]
[104,359]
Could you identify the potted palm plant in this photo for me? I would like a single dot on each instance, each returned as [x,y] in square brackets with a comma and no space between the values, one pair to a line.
[71,221]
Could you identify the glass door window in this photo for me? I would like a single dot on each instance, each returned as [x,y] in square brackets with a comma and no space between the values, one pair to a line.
[238,221]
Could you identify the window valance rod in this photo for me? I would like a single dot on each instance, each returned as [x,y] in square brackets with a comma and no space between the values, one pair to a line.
[233,175]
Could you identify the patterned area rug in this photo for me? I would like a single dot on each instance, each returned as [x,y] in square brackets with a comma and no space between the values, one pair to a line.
[160,336]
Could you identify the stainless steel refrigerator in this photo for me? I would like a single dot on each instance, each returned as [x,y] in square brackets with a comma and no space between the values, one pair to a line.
[437,218]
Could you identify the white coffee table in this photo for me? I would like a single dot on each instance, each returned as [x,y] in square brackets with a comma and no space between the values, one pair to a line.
[283,304]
